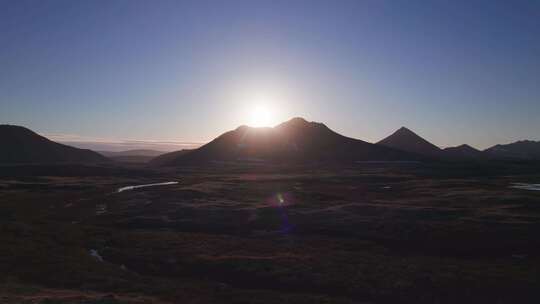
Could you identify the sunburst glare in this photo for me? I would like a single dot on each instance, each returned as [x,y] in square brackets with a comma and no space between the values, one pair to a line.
[261,116]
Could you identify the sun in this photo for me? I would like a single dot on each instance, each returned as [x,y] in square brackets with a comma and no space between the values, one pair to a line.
[261,115]
[259,107]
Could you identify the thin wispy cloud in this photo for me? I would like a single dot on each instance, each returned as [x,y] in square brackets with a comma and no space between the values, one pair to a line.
[108,144]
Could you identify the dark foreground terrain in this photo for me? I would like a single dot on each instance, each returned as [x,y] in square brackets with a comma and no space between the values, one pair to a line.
[365,233]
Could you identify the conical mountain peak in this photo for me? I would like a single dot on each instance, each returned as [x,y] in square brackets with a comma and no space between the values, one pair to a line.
[406,140]
[404,129]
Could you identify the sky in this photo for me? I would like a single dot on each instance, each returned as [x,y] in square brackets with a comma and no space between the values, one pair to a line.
[186,71]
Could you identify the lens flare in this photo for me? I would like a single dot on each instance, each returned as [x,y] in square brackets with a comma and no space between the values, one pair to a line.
[280,199]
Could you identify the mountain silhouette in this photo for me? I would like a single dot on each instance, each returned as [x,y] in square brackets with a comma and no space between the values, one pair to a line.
[132,156]
[167,158]
[463,152]
[296,140]
[134,152]
[523,149]
[21,145]
[406,140]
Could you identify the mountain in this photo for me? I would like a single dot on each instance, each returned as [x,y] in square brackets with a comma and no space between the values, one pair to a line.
[136,152]
[406,140]
[523,149]
[164,159]
[132,156]
[21,145]
[296,140]
[463,152]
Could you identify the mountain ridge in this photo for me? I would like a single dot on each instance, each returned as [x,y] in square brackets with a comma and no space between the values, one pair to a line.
[22,145]
[294,140]
[521,149]
[463,151]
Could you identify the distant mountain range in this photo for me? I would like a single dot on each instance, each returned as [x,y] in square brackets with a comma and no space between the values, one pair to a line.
[136,152]
[406,140]
[293,141]
[296,140]
[524,149]
[132,156]
[167,158]
[463,152]
[21,145]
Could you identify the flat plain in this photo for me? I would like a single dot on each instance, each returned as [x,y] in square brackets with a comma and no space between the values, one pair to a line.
[261,233]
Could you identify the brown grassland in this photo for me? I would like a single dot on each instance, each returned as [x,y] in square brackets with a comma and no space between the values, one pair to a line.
[362,233]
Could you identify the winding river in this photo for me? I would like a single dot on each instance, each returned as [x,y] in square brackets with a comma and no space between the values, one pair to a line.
[526,186]
[127,188]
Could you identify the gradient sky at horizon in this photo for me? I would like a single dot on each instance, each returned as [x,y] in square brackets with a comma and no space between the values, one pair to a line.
[454,72]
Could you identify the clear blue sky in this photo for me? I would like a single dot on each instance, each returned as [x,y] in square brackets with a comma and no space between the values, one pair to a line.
[455,73]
